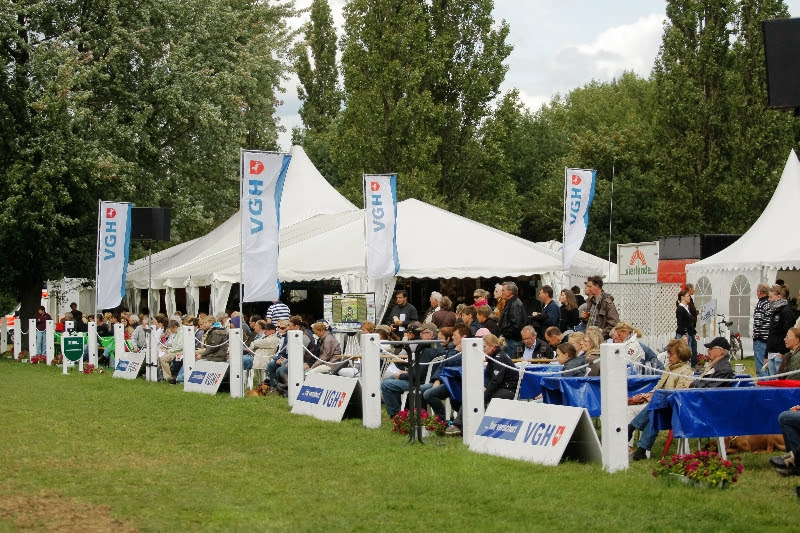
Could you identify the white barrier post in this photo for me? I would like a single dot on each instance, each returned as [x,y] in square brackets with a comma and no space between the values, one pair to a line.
[236,363]
[188,352]
[471,387]
[31,339]
[152,356]
[18,338]
[371,380]
[50,341]
[119,344]
[69,325]
[294,351]
[4,336]
[614,406]
[91,339]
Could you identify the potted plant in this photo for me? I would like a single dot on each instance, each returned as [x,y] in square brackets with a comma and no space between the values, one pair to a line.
[705,468]
[432,424]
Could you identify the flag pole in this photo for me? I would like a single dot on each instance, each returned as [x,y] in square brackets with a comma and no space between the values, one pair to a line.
[610,217]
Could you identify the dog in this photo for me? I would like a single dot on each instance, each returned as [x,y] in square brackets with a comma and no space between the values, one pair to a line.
[261,390]
[755,443]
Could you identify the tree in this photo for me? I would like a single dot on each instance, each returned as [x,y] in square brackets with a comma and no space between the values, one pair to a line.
[145,101]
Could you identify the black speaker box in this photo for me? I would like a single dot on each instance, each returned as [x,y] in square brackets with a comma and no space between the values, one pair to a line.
[150,223]
[782,53]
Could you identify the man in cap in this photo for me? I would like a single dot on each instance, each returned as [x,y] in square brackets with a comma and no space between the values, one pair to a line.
[719,368]
[393,387]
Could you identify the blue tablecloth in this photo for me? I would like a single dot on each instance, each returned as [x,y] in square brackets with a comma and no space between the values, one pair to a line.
[721,412]
[530,388]
[585,391]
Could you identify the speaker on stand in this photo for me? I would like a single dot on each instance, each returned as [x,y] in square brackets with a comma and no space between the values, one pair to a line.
[782,55]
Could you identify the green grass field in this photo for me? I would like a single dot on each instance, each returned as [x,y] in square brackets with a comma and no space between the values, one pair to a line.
[93,453]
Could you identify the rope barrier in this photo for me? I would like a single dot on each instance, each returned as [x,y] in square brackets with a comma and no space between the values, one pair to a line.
[755,379]
[341,358]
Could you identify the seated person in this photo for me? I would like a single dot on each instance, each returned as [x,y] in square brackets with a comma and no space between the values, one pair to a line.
[393,387]
[625,333]
[328,350]
[679,377]
[719,368]
[281,368]
[791,359]
[487,320]
[171,351]
[500,376]
[531,346]
[574,365]
[265,346]
[592,338]
[469,315]
[216,342]
[438,393]
[554,337]
[789,464]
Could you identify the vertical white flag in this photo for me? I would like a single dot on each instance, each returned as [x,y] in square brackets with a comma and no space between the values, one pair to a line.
[579,193]
[380,195]
[263,174]
[113,247]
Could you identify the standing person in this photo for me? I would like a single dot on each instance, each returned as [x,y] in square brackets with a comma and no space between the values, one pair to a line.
[444,317]
[683,317]
[402,313]
[41,327]
[782,319]
[694,312]
[570,317]
[602,311]
[761,319]
[277,311]
[513,318]
[77,317]
[578,296]
[550,311]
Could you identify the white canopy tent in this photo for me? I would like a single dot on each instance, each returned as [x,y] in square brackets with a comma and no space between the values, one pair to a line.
[769,246]
[306,194]
[331,246]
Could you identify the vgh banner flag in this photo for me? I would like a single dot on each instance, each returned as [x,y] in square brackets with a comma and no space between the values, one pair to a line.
[579,193]
[113,246]
[380,194]
[262,177]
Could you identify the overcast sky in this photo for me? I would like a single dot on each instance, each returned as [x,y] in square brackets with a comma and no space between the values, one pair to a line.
[558,45]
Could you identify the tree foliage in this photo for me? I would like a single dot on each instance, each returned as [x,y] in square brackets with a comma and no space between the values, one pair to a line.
[145,101]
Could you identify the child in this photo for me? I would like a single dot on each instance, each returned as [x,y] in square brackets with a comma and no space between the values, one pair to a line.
[568,357]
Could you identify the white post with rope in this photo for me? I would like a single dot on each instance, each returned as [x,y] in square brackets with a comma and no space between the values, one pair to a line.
[31,339]
[294,350]
[119,345]
[92,343]
[614,405]
[50,341]
[371,380]
[236,363]
[152,356]
[471,387]
[188,351]
[18,338]
[4,335]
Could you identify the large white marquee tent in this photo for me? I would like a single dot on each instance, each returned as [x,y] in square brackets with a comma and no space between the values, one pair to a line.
[771,246]
[322,237]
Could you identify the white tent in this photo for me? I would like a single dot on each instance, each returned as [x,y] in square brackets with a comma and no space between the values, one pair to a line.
[585,265]
[197,263]
[769,246]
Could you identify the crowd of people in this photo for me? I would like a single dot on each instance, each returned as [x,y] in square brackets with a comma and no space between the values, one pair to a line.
[568,331]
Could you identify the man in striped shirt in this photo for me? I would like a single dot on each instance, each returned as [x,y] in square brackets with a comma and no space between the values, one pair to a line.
[278,311]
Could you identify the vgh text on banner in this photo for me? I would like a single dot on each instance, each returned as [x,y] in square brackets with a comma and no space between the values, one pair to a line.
[579,193]
[263,174]
[113,246]
[380,193]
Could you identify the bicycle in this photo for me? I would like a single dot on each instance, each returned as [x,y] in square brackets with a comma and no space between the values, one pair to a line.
[733,337]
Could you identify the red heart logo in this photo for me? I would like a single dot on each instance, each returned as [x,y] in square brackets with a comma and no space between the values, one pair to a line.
[374,185]
[111,212]
[576,180]
[557,436]
[256,167]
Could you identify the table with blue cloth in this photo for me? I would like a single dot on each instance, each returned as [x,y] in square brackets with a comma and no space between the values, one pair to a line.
[530,388]
[721,412]
[585,391]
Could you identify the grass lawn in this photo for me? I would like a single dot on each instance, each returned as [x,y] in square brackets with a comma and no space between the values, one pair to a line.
[92,453]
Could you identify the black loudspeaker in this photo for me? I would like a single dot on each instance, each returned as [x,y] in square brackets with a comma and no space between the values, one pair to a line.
[782,53]
[150,223]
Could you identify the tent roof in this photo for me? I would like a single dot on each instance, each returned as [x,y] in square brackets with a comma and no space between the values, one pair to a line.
[585,264]
[768,242]
[306,194]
